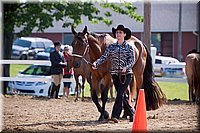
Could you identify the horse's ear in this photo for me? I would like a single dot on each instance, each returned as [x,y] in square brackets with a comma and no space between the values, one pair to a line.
[85,30]
[73,31]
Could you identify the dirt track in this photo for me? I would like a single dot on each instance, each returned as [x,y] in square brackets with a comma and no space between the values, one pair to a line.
[26,113]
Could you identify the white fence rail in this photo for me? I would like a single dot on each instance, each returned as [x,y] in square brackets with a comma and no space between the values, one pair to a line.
[39,62]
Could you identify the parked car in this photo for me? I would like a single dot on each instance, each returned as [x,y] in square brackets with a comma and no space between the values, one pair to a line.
[45,55]
[26,47]
[168,67]
[175,70]
[38,88]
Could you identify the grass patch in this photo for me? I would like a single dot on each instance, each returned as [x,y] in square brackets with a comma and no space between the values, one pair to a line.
[172,90]
[175,90]
[15,68]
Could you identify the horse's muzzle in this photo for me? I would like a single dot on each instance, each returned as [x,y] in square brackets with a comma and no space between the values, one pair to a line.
[76,64]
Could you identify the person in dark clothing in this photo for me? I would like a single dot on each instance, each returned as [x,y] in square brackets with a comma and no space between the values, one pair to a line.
[57,65]
[122,60]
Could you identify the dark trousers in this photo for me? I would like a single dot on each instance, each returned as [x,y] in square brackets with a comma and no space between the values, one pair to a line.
[120,98]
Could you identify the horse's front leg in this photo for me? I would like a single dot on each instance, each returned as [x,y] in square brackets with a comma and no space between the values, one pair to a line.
[95,100]
[104,97]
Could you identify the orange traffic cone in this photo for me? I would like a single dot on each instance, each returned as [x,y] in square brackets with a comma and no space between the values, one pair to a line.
[140,119]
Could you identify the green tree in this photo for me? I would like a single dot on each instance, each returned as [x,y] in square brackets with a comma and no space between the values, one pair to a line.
[41,16]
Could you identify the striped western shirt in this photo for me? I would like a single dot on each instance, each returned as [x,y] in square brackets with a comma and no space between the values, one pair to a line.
[120,55]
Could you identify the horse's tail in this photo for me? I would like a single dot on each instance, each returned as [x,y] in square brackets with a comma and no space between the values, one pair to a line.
[153,93]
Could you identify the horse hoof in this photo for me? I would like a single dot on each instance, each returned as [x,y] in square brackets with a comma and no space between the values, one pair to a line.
[124,116]
[76,100]
[106,115]
[101,119]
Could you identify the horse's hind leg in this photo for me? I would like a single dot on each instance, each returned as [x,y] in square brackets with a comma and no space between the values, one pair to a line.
[191,92]
[83,87]
[133,92]
[138,72]
[89,80]
[76,88]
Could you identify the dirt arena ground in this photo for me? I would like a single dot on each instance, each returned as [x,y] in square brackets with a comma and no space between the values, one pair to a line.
[27,113]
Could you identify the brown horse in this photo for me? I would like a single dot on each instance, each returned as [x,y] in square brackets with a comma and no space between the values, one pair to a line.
[80,69]
[193,75]
[143,71]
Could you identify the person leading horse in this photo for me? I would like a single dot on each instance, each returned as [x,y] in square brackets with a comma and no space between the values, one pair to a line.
[122,60]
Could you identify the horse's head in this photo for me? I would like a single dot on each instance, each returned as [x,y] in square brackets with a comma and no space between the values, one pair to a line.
[70,61]
[79,44]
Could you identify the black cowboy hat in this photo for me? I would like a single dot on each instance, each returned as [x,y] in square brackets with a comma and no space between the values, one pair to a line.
[122,28]
[57,43]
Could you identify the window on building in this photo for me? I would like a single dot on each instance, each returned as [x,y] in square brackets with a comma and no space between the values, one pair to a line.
[155,40]
[68,38]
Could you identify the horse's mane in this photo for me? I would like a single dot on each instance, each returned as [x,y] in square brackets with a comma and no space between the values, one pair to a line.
[193,51]
[100,39]
[96,35]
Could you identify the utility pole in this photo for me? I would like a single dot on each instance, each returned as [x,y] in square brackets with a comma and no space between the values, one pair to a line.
[147,23]
[180,33]
[198,23]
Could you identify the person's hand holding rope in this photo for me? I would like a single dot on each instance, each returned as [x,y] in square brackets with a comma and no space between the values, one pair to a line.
[123,70]
[94,66]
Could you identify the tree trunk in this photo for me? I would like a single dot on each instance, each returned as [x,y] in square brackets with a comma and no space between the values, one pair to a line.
[8,28]
[7,48]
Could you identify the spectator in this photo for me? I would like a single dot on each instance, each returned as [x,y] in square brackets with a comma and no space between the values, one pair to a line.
[67,73]
[57,64]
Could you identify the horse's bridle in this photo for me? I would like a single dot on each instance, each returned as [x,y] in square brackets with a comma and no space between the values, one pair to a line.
[88,62]
[84,53]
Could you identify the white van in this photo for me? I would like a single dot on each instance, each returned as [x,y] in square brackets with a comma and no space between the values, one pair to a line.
[26,47]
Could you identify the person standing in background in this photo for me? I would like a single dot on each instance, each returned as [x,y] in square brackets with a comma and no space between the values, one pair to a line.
[67,73]
[56,70]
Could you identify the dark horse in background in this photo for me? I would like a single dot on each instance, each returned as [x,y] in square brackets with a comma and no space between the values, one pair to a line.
[82,69]
[143,71]
[192,69]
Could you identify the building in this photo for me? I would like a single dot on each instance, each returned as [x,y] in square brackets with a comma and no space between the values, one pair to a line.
[164,27]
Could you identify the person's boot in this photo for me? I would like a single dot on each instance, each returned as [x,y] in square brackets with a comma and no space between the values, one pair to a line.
[129,110]
[126,112]
[57,91]
[53,89]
